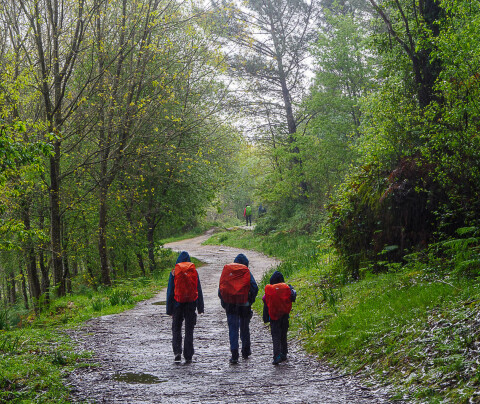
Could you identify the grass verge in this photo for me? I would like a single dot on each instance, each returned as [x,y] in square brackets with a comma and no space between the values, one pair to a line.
[412,330]
[36,355]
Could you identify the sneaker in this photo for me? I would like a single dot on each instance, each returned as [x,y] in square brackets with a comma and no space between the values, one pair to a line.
[283,357]
[178,358]
[277,359]
[233,361]
[189,360]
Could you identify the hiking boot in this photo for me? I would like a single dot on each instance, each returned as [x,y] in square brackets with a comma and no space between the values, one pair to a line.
[246,353]
[178,358]
[277,359]
[234,358]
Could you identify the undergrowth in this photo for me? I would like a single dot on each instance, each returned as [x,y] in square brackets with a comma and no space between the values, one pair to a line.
[415,329]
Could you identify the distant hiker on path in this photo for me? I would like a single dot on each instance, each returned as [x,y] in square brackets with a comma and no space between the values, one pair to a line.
[247,213]
[184,295]
[237,292]
[277,303]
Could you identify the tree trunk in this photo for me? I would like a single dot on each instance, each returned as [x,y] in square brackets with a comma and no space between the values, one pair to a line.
[12,295]
[56,222]
[66,275]
[31,260]
[24,290]
[102,235]
[45,285]
[141,264]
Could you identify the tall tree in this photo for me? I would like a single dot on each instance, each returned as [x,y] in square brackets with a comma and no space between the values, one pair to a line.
[54,30]
[344,74]
[271,40]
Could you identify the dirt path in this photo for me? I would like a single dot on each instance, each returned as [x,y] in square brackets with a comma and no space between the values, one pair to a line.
[136,359]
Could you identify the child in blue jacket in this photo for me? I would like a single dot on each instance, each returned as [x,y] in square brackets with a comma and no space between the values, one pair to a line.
[278,327]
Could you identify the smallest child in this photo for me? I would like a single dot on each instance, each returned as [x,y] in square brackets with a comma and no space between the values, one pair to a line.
[277,303]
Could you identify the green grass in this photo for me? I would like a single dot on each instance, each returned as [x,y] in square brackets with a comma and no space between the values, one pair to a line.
[200,229]
[37,354]
[283,245]
[417,334]
[413,329]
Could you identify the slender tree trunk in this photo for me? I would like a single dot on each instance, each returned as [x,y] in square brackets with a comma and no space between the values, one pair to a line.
[102,235]
[24,290]
[45,285]
[31,260]
[12,296]
[56,222]
[141,264]
[66,275]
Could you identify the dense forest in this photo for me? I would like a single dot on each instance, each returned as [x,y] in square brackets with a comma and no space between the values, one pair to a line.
[124,122]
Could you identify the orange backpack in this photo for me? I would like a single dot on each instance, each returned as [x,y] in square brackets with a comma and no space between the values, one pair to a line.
[235,283]
[278,299]
[186,280]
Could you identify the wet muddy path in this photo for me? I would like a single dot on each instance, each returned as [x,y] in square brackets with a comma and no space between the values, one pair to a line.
[135,357]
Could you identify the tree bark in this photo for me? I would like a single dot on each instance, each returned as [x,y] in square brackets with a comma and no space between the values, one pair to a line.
[44,269]
[56,222]
[24,290]
[12,295]
[31,259]
[102,237]
[141,264]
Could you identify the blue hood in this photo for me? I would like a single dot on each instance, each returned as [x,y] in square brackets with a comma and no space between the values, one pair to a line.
[241,259]
[276,277]
[183,257]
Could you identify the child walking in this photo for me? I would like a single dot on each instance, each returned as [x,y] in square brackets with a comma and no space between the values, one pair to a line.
[277,303]
[237,292]
[184,295]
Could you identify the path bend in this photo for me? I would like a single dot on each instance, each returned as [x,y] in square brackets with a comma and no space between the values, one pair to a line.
[134,353]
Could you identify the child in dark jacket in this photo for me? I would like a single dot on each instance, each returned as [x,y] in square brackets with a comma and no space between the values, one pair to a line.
[181,305]
[277,303]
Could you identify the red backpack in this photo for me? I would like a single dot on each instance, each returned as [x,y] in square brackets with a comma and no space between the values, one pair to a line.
[186,280]
[278,299]
[235,283]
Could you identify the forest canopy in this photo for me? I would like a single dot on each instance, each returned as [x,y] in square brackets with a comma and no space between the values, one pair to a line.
[126,121]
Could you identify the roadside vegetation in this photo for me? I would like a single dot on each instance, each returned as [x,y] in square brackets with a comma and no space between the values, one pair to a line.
[36,353]
[414,328]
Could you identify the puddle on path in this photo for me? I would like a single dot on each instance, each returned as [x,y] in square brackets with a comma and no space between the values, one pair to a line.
[137,378]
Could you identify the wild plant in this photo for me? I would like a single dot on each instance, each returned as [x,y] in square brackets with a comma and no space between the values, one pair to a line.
[120,297]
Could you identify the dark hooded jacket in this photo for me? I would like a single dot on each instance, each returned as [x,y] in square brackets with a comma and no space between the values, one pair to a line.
[252,293]
[277,277]
[172,304]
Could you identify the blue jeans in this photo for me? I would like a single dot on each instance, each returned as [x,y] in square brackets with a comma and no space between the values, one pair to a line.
[238,323]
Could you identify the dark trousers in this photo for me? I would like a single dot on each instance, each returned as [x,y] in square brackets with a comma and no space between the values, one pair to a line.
[236,323]
[279,329]
[248,218]
[179,314]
